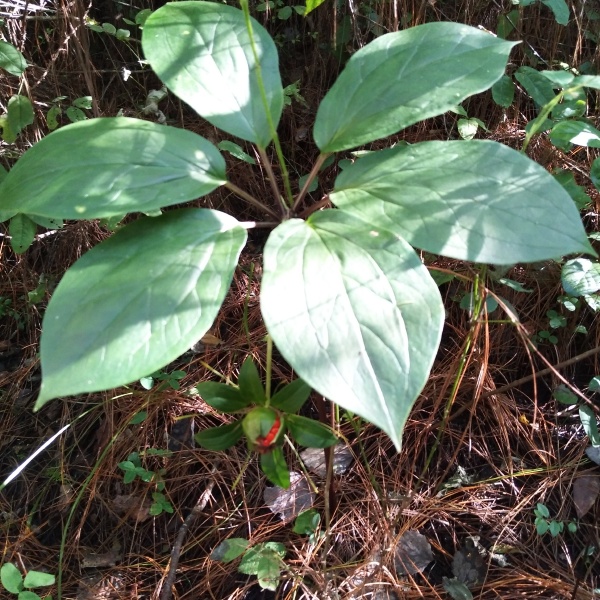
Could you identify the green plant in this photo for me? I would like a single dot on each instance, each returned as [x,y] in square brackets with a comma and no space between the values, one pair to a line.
[264,560]
[544,524]
[14,583]
[168,380]
[132,469]
[74,111]
[7,310]
[264,419]
[307,523]
[344,296]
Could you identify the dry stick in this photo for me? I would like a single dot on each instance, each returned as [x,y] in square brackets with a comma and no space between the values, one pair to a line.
[167,589]
[547,371]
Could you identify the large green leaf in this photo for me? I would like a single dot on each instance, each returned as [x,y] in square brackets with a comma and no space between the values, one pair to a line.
[137,301]
[111,166]
[354,311]
[202,51]
[472,200]
[406,76]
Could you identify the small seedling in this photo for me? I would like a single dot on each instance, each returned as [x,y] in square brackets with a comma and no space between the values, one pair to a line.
[13,582]
[132,468]
[74,110]
[544,524]
[168,380]
[307,523]
[263,560]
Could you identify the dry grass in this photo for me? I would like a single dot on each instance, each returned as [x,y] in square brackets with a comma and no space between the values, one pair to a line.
[513,445]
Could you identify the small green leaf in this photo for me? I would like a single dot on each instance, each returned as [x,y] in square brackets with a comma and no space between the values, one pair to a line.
[387,85]
[235,150]
[514,285]
[310,433]
[283,14]
[535,84]
[564,395]
[251,386]
[223,397]
[11,59]
[111,166]
[137,301]
[52,116]
[229,550]
[307,522]
[457,590]
[314,184]
[503,91]
[109,28]
[10,576]
[75,115]
[273,465]
[580,276]
[577,192]
[574,132]
[594,384]
[541,526]
[202,51]
[590,424]
[311,5]
[556,527]
[467,128]
[36,579]
[83,102]
[291,397]
[22,230]
[220,438]
[542,510]
[560,10]
[20,113]
[138,417]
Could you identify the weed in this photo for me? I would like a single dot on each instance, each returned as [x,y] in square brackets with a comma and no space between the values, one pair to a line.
[14,583]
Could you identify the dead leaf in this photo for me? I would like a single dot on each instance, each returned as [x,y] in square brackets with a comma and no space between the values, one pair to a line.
[468,565]
[593,453]
[291,502]
[413,553]
[585,492]
[314,459]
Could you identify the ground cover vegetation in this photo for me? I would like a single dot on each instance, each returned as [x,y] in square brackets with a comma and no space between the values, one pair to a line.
[494,490]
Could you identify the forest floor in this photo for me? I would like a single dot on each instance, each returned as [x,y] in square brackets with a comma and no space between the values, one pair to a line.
[485,444]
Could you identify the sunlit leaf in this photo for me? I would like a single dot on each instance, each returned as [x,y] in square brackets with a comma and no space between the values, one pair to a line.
[403,77]
[137,301]
[471,200]
[111,166]
[354,311]
[203,53]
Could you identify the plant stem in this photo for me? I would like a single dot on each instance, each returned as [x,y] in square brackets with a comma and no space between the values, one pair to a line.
[251,199]
[539,120]
[313,173]
[273,181]
[263,95]
[462,366]
[315,207]
[268,369]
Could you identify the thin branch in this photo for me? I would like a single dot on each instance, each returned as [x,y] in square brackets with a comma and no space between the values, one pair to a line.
[272,180]
[251,200]
[167,589]
[313,173]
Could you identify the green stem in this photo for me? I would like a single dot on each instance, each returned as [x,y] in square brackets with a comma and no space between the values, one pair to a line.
[268,369]
[313,173]
[263,95]
[273,181]
[251,199]
[536,124]
[477,308]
